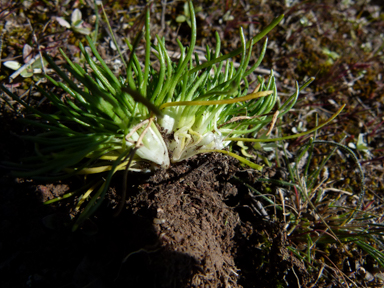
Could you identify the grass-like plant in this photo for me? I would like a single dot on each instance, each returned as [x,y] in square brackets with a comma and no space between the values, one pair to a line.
[315,220]
[109,123]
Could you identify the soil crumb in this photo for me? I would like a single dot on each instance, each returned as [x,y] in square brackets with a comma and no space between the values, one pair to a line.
[190,217]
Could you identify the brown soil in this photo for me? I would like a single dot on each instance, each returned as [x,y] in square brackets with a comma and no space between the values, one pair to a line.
[184,227]
[193,224]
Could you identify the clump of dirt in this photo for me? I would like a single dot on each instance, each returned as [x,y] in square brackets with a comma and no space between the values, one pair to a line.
[188,226]
[190,217]
[197,230]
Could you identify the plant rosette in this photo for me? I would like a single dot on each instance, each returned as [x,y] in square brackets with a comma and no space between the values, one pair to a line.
[111,123]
